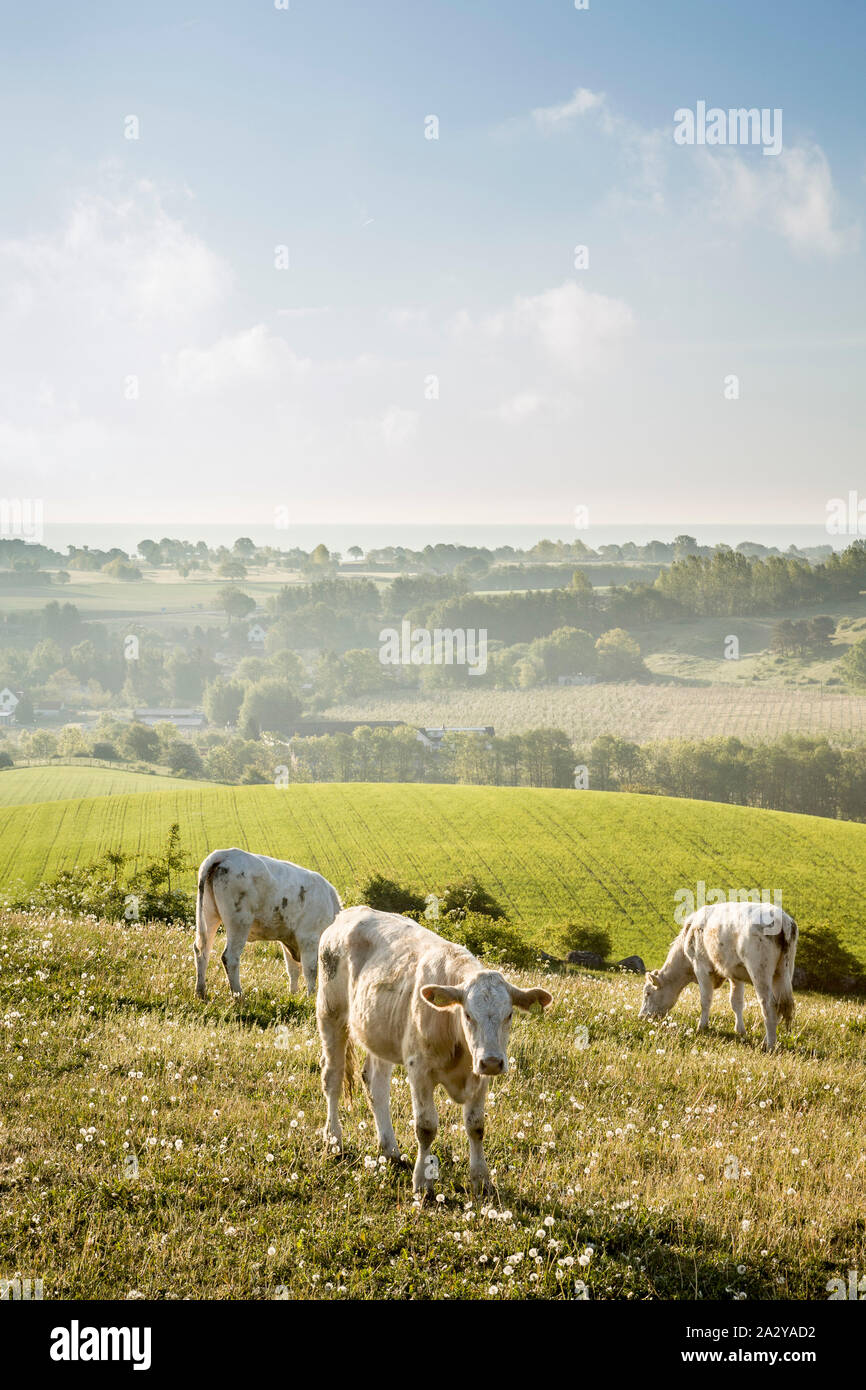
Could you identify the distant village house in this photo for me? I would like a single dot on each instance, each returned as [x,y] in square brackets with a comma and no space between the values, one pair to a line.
[181,718]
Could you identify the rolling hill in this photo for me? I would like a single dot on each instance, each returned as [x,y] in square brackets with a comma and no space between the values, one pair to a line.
[551,857]
[20,785]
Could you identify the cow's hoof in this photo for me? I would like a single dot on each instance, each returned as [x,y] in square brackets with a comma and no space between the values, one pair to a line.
[202,995]
[481,1186]
[333,1142]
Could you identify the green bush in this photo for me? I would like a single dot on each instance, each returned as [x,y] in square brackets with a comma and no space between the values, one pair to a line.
[829,965]
[105,890]
[594,939]
[468,896]
[106,751]
[493,941]
[388,896]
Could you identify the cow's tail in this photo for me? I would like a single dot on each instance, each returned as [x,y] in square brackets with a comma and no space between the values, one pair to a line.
[350,1074]
[204,877]
[783,980]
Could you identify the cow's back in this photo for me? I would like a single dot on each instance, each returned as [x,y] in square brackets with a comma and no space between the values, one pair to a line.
[375,960]
[283,898]
[739,938]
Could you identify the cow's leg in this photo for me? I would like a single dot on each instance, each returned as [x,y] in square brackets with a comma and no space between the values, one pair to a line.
[236,940]
[293,968]
[376,1076]
[764,992]
[473,1119]
[334,1034]
[205,932]
[705,987]
[737,996]
[426,1125]
[309,965]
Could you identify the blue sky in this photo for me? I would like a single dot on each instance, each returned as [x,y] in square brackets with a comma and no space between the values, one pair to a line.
[151,262]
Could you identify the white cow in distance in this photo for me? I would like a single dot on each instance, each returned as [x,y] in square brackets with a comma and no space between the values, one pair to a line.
[740,942]
[261,899]
[410,997]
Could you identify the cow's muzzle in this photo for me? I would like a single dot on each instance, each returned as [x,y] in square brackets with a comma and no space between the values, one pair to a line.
[491,1066]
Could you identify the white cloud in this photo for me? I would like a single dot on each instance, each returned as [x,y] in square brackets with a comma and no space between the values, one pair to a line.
[793,193]
[573,328]
[254,355]
[120,258]
[552,117]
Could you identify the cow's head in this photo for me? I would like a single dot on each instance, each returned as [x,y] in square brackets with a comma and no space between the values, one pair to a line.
[487,1003]
[659,996]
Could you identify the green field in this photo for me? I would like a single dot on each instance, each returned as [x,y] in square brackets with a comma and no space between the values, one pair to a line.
[155,1147]
[599,859]
[21,785]
[160,593]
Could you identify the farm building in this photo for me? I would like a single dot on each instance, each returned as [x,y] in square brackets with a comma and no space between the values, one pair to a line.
[432,738]
[49,709]
[181,718]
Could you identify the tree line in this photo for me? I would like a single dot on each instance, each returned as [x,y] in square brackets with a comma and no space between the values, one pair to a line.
[793,773]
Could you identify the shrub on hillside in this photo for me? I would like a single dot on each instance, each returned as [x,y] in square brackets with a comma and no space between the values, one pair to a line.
[104,889]
[106,751]
[828,965]
[594,939]
[493,941]
[388,896]
[184,759]
[468,896]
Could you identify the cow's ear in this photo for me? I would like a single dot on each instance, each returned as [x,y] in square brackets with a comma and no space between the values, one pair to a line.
[525,998]
[442,996]
[652,977]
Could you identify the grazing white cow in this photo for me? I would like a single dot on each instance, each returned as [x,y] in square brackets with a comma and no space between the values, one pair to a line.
[740,942]
[261,899]
[410,997]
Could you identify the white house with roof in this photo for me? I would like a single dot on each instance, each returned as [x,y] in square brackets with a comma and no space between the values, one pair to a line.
[8,705]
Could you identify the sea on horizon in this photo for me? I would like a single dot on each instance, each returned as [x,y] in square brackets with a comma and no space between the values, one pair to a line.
[340,536]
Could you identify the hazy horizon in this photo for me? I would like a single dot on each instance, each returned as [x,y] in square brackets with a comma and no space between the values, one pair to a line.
[339,537]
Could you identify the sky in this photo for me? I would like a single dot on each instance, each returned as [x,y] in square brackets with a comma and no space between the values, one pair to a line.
[282,299]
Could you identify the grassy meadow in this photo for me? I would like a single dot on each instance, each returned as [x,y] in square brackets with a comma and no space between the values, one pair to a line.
[158,592]
[22,785]
[150,1146]
[551,857]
